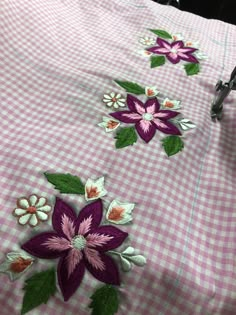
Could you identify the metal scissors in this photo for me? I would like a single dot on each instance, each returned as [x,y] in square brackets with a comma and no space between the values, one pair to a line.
[222,91]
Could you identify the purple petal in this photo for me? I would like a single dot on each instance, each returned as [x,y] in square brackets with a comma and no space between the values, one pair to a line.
[134,104]
[166,114]
[90,214]
[152,106]
[57,243]
[109,275]
[61,211]
[94,258]
[94,240]
[36,246]
[177,45]
[163,43]
[115,237]
[187,50]
[69,284]
[158,50]
[85,226]
[166,127]
[73,258]
[126,116]
[146,130]
[173,58]
[188,57]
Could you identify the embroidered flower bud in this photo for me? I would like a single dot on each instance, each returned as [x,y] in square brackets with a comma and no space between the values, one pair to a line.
[120,212]
[171,104]
[177,36]
[151,91]
[16,264]
[94,189]
[109,124]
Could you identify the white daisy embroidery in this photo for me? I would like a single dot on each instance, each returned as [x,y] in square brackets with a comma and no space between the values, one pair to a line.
[114,100]
[32,210]
[147,41]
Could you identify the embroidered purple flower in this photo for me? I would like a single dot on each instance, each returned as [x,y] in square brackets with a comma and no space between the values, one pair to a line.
[174,51]
[80,243]
[147,117]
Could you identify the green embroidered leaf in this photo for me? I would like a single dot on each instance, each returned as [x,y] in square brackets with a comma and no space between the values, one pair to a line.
[192,68]
[38,289]
[105,301]
[172,145]
[161,33]
[66,183]
[131,87]
[157,61]
[125,137]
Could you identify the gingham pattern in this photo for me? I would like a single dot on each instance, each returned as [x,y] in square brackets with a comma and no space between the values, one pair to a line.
[59,58]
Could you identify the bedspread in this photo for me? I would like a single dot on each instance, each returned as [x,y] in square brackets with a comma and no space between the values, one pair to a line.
[117,189]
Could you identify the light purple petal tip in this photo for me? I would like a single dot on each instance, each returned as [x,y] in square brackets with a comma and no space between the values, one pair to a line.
[132,103]
[61,210]
[69,284]
[166,127]
[93,211]
[152,105]
[166,114]
[146,130]
[126,116]
[36,246]
[117,235]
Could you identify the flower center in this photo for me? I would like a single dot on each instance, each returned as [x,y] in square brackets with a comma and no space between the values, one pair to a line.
[147,116]
[173,50]
[114,99]
[31,210]
[79,242]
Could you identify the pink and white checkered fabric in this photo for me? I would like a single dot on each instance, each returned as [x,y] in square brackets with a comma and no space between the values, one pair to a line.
[58,59]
